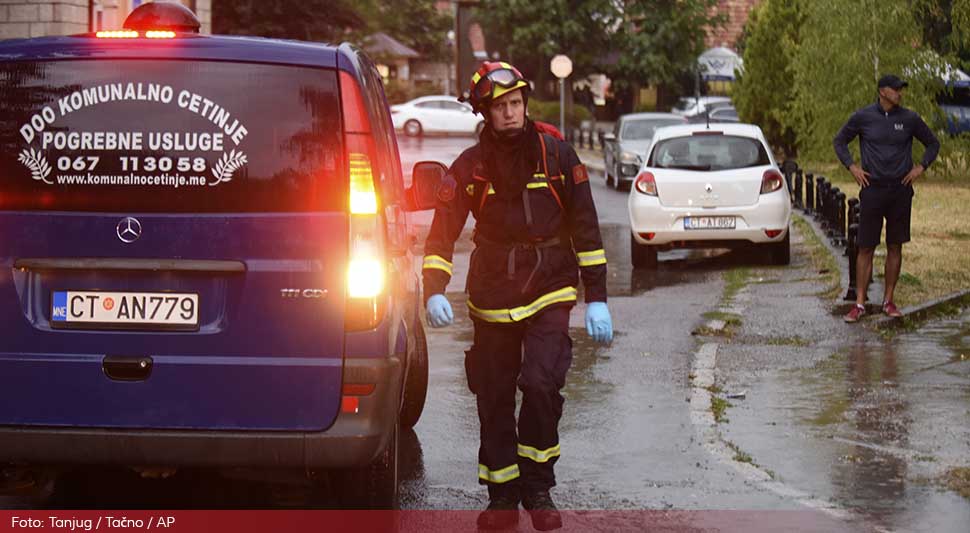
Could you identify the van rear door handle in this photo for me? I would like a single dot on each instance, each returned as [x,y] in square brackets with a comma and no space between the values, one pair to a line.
[127,368]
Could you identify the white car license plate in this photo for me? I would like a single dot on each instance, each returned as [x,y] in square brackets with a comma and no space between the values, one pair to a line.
[709,222]
[164,310]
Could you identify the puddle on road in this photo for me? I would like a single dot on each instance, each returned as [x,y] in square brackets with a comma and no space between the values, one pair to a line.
[875,427]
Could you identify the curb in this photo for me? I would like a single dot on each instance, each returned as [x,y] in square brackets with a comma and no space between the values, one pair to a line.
[914,313]
[924,311]
[838,253]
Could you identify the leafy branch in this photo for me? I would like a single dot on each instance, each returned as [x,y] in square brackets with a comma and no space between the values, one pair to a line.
[37,163]
[227,165]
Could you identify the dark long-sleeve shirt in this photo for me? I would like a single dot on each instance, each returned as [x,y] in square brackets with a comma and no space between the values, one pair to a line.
[886,141]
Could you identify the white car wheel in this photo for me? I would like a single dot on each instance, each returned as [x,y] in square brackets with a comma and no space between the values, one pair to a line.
[412,128]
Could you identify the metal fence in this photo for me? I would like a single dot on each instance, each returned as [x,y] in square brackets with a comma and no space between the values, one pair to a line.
[837,216]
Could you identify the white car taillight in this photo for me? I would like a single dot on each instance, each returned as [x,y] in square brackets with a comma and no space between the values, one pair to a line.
[646,184]
[771,181]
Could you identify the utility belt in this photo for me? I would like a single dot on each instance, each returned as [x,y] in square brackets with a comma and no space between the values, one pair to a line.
[512,248]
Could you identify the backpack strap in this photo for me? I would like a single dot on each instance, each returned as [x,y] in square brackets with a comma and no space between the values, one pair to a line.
[556,185]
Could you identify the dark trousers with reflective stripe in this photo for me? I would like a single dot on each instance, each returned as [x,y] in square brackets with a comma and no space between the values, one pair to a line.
[534,355]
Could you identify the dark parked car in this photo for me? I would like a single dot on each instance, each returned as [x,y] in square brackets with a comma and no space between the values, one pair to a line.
[206,259]
[627,145]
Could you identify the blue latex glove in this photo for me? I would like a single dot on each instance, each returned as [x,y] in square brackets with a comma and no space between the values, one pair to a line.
[439,311]
[599,325]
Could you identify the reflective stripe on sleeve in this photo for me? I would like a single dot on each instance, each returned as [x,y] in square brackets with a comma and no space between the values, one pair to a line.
[438,262]
[537,185]
[596,257]
[566,294]
[498,476]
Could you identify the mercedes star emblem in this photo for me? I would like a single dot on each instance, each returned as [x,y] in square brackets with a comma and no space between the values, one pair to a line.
[129,229]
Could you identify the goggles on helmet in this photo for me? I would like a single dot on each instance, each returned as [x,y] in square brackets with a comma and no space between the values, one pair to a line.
[503,77]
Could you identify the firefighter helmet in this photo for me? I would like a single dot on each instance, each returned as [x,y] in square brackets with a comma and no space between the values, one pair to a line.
[492,80]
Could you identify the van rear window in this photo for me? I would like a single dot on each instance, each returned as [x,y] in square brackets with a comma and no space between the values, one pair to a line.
[169,136]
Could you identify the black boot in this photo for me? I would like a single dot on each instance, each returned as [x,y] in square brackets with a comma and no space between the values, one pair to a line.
[502,512]
[545,516]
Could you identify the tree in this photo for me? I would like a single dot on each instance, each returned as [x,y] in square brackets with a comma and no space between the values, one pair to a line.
[416,23]
[763,92]
[944,25]
[846,47]
[659,41]
[531,32]
[308,20]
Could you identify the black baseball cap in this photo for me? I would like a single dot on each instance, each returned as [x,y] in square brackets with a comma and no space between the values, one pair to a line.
[892,80]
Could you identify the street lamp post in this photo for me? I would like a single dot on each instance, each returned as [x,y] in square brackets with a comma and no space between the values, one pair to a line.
[561,67]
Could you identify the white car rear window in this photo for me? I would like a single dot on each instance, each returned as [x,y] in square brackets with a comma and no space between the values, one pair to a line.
[709,153]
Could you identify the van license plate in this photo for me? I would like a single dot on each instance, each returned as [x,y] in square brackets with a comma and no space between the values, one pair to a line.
[154,310]
[709,222]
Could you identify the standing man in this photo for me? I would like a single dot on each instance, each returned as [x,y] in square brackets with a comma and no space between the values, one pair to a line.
[885,130]
[536,232]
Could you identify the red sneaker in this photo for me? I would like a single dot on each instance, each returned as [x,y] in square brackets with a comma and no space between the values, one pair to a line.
[855,313]
[890,309]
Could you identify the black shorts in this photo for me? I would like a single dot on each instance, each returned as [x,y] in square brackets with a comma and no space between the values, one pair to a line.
[892,201]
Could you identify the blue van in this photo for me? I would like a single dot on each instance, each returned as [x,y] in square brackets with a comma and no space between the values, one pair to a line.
[204,258]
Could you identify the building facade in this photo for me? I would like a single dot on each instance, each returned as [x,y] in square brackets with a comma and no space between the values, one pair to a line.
[736,12]
[37,18]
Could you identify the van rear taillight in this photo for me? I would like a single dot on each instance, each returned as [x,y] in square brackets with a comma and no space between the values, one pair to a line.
[367,264]
[363,197]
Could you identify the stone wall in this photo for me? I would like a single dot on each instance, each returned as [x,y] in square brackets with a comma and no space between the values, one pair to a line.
[38,18]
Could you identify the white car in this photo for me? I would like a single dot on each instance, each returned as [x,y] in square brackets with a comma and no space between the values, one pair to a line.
[709,187]
[435,114]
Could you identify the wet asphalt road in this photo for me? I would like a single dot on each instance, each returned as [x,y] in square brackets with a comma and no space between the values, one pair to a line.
[834,420]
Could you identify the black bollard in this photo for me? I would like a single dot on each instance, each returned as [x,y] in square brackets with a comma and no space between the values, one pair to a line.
[809,193]
[853,211]
[821,189]
[851,294]
[839,217]
[798,189]
[821,197]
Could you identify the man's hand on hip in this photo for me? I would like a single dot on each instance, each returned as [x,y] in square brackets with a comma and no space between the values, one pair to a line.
[913,174]
[861,176]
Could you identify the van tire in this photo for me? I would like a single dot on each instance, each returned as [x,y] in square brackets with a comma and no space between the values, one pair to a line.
[642,255]
[372,487]
[416,386]
[412,128]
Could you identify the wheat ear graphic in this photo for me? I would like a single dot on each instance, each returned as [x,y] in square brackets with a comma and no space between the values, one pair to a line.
[227,165]
[37,163]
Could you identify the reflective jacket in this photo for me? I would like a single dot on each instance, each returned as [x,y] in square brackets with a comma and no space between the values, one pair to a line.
[530,247]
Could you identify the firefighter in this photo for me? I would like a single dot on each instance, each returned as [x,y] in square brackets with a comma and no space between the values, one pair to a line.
[536,233]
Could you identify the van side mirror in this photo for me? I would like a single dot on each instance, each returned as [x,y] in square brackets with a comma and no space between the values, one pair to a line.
[425,180]
[609,137]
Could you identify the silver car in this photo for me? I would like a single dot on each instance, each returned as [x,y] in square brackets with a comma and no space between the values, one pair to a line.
[627,145]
